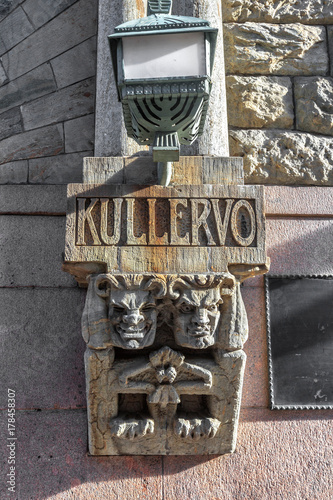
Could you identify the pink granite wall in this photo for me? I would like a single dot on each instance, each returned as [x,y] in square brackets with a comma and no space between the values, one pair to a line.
[280,454]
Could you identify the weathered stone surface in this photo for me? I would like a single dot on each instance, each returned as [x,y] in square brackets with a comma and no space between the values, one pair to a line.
[109,170]
[291,49]
[171,381]
[285,200]
[57,170]
[67,103]
[79,134]
[179,246]
[13,29]
[36,261]
[33,144]
[3,76]
[54,463]
[47,9]
[15,172]
[6,7]
[256,102]
[300,245]
[34,84]
[314,105]
[277,157]
[33,199]
[10,123]
[70,28]
[76,64]
[45,335]
[142,170]
[275,11]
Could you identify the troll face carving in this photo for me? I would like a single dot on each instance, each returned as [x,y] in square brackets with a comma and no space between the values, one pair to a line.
[133,318]
[132,308]
[196,309]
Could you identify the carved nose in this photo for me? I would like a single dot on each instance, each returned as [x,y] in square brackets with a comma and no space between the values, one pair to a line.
[201,318]
[134,318]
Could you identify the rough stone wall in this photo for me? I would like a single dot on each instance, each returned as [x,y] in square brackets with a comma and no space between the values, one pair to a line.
[280,89]
[47,89]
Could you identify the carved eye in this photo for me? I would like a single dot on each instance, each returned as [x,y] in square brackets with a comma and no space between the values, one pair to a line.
[212,308]
[186,308]
[118,309]
[147,307]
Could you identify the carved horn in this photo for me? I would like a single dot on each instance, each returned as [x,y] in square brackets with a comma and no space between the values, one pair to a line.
[158,283]
[109,279]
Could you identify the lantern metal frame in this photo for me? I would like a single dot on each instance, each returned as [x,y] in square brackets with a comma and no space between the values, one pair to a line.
[167,111]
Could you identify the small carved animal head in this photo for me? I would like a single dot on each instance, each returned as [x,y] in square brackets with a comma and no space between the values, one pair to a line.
[132,307]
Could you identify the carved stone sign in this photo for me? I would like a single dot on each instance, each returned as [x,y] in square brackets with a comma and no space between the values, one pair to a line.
[164,320]
[211,226]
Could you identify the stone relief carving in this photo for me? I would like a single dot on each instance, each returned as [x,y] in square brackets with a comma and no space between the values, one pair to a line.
[164,320]
[185,386]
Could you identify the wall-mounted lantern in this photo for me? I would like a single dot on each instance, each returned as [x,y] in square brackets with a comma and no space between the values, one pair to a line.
[163,64]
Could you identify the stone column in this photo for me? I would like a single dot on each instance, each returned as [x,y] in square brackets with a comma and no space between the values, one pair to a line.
[110,133]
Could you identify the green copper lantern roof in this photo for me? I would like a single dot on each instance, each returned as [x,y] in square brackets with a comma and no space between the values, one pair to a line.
[161,22]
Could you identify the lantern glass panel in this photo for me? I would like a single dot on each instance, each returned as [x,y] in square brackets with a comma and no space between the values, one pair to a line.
[163,56]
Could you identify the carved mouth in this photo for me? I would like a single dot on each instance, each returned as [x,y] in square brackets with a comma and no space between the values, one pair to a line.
[200,331]
[133,332]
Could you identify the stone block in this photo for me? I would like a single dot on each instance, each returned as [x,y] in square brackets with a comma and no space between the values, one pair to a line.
[70,28]
[162,235]
[284,157]
[269,49]
[57,170]
[6,7]
[67,103]
[279,455]
[53,462]
[79,134]
[15,172]
[3,76]
[28,87]
[298,201]
[41,328]
[275,11]
[257,102]
[76,64]
[45,10]
[33,199]
[314,104]
[189,170]
[300,246]
[10,123]
[47,141]
[13,29]
[109,170]
[31,251]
